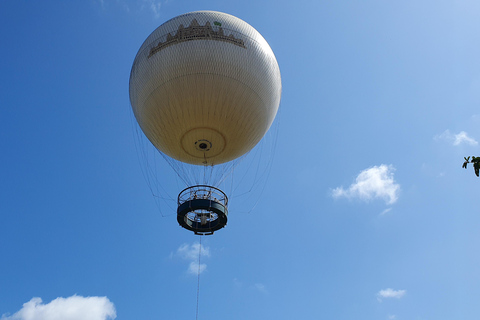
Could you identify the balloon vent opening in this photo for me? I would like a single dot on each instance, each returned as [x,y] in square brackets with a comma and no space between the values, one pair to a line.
[203,145]
[202,209]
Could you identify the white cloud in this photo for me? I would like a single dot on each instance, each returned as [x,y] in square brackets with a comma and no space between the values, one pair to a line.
[191,252]
[195,268]
[463,137]
[390,293]
[456,139]
[71,308]
[392,316]
[372,183]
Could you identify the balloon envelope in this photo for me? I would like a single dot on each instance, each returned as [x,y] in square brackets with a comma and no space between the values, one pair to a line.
[205,87]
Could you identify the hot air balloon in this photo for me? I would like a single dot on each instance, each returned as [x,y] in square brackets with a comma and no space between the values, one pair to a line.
[205,87]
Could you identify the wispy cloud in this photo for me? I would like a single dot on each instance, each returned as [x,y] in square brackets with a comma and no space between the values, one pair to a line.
[385,211]
[261,288]
[71,308]
[191,253]
[372,183]
[389,293]
[107,4]
[456,139]
[153,6]
[258,286]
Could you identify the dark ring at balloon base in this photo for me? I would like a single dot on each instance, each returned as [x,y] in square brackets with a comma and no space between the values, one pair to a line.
[205,206]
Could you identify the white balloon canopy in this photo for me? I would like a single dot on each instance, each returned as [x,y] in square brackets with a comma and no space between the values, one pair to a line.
[205,87]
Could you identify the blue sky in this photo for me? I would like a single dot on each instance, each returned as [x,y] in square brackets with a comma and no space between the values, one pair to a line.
[367,213]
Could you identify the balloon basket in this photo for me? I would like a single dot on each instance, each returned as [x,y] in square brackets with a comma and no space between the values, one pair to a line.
[202,209]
